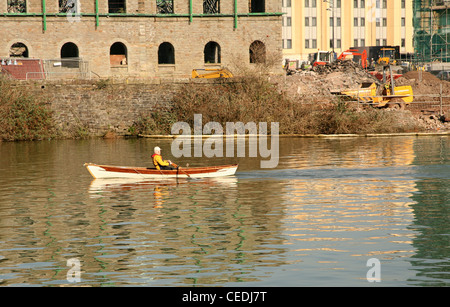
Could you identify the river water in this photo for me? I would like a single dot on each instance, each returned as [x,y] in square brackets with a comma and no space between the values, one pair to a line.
[320,218]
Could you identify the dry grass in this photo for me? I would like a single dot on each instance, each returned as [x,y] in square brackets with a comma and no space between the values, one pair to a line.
[22,116]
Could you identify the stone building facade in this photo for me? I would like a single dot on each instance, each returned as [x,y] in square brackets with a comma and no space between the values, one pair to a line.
[141,38]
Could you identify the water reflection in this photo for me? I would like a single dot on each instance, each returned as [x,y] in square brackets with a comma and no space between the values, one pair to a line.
[329,206]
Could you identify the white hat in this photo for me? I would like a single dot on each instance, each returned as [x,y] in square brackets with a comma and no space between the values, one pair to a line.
[156,149]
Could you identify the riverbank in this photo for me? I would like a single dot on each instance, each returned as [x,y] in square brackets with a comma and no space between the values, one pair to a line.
[49,110]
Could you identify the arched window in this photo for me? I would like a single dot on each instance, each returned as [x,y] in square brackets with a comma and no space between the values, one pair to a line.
[118,54]
[257,52]
[166,54]
[69,50]
[18,50]
[69,55]
[257,6]
[212,52]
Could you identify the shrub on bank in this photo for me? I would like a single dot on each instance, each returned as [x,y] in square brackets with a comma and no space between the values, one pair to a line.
[255,99]
[23,116]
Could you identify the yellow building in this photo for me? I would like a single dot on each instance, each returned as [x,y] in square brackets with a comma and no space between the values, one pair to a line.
[311,25]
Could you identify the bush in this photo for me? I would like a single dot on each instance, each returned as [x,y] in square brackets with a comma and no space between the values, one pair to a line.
[22,116]
[255,99]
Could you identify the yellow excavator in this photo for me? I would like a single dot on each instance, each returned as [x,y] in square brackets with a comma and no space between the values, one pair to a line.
[211,73]
[387,57]
[387,95]
[398,97]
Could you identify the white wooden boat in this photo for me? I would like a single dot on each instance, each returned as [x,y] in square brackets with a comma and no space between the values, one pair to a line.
[108,171]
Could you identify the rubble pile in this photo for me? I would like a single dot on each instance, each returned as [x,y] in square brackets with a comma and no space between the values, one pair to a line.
[318,84]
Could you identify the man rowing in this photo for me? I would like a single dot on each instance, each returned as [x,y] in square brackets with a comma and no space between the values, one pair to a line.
[158,161]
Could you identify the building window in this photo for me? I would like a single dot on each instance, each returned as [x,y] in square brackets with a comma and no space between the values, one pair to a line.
[288,44]
[307,43]
[69,50]
[19,50]
[164,7]
[313,21]
[17,6]
[363,22]
[257,52]
[211,6]
[68,6]
[117,6]
[212,53]
[257,6]
[363,42]
[288,21]
[166,54]
[306,21]
[314,44]
[403,21]
[355,22]
[118,54]
[69,55]
[355,43]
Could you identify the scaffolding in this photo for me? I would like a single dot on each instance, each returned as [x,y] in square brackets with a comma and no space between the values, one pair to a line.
[431,30]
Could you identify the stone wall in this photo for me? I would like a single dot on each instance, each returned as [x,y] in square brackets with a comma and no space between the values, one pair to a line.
[99,107]
[142,32]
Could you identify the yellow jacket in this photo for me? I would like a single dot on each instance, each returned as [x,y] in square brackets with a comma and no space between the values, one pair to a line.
[158,161]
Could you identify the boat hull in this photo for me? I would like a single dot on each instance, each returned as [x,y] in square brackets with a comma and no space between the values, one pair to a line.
[107,171]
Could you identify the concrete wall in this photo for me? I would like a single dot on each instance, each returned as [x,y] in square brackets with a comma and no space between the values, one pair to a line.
[142,35]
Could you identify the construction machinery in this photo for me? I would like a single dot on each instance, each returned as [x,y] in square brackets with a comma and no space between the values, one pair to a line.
[387,57]
[323,58]
[386,95]
[211,73]
[355,52]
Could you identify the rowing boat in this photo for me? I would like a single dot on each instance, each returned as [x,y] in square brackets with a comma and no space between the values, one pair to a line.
[108,171]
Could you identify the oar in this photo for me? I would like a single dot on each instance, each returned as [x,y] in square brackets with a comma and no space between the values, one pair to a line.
[179,168]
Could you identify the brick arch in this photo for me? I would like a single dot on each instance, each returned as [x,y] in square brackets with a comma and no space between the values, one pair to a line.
[166,53]
[73,41]
[212,52]
[117,47]
[10,43]
[257,51]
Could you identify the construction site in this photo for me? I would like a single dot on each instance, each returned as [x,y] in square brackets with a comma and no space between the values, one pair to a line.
[384,82]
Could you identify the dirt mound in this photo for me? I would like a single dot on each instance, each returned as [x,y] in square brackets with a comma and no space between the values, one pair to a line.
[426,76]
